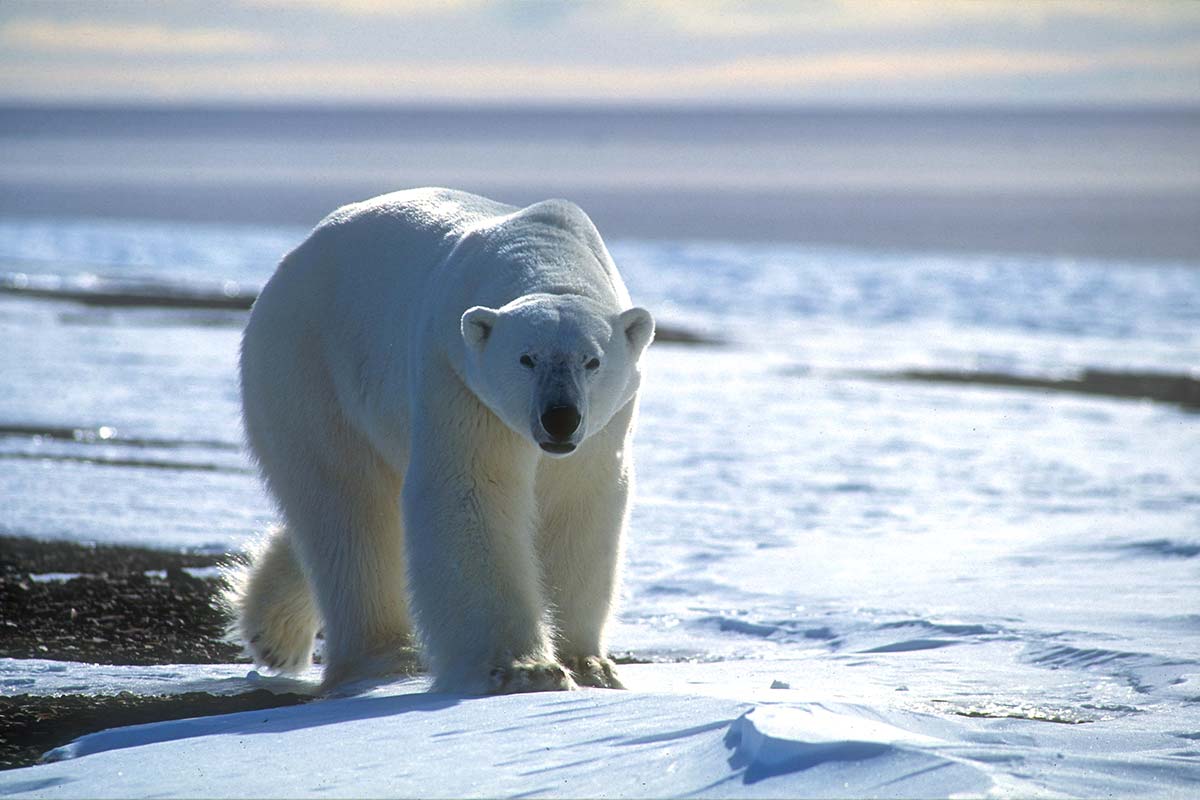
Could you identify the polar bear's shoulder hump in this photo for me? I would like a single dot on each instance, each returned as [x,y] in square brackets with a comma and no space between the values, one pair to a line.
[562,213]
[425,207]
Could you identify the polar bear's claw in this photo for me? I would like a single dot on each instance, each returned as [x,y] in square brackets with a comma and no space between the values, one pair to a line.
[594,671]
[529,676]
[286,657]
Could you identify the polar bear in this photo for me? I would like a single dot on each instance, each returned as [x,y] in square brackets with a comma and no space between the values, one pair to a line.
[439,390]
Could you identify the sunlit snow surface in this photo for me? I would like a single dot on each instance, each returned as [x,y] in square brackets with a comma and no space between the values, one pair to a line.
[976,565]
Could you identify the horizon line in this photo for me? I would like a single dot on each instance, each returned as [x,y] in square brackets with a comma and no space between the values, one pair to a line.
[10,104]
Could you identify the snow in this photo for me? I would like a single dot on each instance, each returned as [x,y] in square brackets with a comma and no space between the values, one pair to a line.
[956,591]
[713,730]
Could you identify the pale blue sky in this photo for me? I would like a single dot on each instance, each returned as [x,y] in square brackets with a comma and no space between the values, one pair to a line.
[829,52]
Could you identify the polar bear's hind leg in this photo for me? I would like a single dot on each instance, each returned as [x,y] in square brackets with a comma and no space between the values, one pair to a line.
[273,608]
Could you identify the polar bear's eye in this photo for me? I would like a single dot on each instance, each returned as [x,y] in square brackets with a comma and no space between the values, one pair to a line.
[593,364]
[527,361]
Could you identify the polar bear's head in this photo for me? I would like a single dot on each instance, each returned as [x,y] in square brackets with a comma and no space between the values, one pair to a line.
[555,368]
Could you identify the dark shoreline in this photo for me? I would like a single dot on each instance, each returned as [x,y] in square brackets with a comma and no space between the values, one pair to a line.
[115,293]
[1162,387]
[125,605]
[32,725]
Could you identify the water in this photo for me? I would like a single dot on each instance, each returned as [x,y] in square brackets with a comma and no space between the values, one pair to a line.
[775,442]
[1025,151]
[1115,183]
[940,547]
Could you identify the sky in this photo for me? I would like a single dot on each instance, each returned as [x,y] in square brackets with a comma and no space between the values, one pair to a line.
[829,52]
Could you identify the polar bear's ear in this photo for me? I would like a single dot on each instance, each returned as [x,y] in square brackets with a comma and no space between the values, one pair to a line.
[639,328]
[477,324]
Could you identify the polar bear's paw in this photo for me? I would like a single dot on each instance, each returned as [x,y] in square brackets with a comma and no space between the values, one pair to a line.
[595,671]
[529,676]
[287,650]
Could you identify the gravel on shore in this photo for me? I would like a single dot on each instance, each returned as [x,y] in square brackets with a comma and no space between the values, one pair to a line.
[124,605]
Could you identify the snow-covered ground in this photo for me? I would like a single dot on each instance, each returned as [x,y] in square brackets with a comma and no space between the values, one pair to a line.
[965,590]
[773,728]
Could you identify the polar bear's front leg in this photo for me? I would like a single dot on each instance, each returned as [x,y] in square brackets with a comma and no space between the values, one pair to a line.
[470,518]
[583,503]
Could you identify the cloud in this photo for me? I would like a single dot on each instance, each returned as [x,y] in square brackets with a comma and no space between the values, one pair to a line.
[128,39]
[754,78]
[907,66]
[397,8]
[754,18]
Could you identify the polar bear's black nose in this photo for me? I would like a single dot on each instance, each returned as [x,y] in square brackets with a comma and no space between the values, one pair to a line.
[561,421]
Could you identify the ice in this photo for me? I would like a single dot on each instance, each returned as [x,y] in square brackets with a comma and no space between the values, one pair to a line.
[41,677]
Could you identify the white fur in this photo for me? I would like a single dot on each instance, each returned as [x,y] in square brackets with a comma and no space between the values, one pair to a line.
[398,430]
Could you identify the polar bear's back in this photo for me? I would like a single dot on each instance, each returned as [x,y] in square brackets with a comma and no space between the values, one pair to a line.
[422,241]
[429,211]
[334,318]
[402,234]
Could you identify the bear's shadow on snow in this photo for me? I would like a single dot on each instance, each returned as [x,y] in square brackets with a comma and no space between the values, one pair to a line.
[36,785]
[331,711]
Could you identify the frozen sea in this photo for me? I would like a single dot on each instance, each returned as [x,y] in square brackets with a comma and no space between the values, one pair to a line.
[954,589]
[966,554]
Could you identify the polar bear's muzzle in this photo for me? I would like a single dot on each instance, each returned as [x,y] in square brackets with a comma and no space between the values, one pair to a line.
[560,422]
